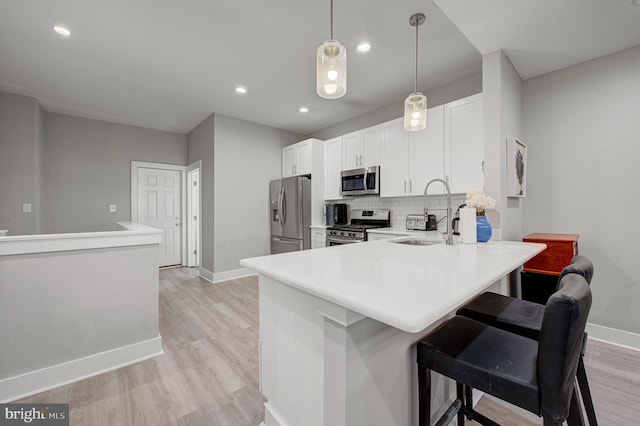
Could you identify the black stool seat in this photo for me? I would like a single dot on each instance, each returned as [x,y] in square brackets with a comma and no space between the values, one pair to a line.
[515,315]
[508,371]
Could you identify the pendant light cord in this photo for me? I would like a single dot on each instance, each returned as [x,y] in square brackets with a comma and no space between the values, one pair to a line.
[415,86]
[331,38]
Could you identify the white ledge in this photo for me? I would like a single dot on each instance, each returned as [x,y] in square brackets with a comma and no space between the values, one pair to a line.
[126,234]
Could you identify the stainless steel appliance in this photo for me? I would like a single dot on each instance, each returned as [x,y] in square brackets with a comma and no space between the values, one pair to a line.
[364,181]
[290,212]
[417,222]
[335,214]
[356,231]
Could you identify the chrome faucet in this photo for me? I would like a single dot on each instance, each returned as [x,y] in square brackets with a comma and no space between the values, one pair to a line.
[446,185]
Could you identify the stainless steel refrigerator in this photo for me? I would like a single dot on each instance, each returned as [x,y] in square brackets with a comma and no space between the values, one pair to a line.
[290,212]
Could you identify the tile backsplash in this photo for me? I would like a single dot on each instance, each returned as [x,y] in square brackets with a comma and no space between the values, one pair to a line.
[400,207]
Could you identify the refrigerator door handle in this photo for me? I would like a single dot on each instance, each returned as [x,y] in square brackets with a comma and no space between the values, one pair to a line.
[284,206]
[280,206]
[286,241]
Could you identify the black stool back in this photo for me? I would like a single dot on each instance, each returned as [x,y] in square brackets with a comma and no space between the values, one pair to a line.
[563,325]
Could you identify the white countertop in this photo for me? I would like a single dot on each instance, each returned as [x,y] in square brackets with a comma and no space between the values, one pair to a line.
[406,287]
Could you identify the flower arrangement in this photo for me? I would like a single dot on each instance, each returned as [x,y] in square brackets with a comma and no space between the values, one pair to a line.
[480,201]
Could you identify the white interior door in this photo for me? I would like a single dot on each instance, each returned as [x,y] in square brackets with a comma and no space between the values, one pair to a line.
[159,206]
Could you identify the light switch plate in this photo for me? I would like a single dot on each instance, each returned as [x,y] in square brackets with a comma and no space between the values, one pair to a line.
[112,208]
[26,207]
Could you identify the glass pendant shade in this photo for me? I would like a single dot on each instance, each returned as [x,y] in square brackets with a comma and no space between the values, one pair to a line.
[331,70]
[415,112]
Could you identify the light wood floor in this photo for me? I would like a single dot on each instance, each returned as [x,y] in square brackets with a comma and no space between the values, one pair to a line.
[208,374]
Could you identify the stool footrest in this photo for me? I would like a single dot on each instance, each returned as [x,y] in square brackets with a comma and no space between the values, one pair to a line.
[451,412]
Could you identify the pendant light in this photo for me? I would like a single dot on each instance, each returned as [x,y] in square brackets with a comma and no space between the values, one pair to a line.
[415,106]
[331,69]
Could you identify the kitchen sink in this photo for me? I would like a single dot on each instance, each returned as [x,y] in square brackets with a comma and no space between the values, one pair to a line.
[417,242]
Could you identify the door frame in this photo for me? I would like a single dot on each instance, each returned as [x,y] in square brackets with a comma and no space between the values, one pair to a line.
[193,167]
[135,165]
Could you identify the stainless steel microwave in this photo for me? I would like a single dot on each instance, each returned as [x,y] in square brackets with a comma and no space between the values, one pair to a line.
[364,181]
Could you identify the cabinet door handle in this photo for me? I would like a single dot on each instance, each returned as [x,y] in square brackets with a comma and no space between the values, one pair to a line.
[410,186]
[405,186]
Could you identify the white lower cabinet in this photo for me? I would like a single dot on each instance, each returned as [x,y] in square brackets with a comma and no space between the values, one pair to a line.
[318,237]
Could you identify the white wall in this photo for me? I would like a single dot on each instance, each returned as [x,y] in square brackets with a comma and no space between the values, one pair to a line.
[582,128]
[247,157]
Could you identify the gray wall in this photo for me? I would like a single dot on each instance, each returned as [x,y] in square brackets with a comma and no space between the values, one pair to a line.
[464,87]
[502,103]
[583,137]
[247,156]
[87,166]
[21,140]
[200,142]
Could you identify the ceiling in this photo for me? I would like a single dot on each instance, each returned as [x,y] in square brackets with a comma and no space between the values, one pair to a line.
[169,64]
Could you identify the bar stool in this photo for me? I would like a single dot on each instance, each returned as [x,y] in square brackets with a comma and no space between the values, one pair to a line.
[537,376]
[525,318]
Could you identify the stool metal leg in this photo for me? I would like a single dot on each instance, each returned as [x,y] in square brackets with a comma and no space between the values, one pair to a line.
[581,375]
[424,396]
[460,396]
[575,412]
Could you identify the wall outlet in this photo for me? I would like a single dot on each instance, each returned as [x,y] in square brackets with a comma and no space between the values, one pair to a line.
[26,207]
[112,208]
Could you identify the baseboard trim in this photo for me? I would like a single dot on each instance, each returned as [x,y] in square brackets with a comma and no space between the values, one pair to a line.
[37,381]
[218,277]
[614,336]
[206,275]
[271,417]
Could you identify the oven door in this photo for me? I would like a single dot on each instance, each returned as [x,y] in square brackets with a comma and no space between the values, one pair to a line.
[338,241]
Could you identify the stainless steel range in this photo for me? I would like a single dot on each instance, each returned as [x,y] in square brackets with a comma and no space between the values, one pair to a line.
[356,231]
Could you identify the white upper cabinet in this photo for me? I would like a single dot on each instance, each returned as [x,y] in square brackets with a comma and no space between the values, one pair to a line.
[394,170]
[451,147]
[464,144]
[332,168]
[426,152]
[411,159]
[297,159]
[362,148]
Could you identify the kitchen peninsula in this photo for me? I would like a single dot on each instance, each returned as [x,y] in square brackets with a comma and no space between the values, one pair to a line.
[338,324]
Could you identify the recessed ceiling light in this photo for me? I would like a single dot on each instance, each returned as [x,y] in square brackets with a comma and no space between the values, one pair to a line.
[62,30]
[303,109]
[363,46]
[241,90]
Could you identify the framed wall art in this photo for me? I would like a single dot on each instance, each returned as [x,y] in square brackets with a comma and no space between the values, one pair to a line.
[516,168]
